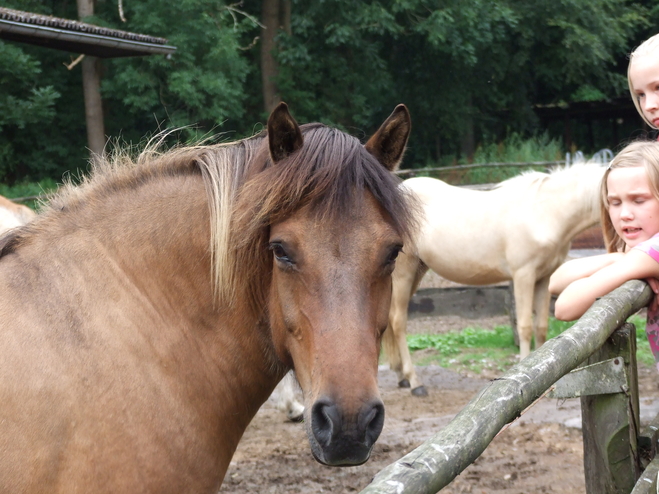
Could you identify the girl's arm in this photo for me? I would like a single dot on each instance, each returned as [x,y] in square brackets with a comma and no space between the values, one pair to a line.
[576,269]
[580,295]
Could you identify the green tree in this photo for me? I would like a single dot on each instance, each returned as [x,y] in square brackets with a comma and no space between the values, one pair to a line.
[202,84]
[471,71]
[477,68]
[332,66]
[25,102]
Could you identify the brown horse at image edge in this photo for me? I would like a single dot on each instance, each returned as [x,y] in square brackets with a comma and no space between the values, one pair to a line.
[148,312]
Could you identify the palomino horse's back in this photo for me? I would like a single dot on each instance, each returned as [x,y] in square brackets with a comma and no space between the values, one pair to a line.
[13,215]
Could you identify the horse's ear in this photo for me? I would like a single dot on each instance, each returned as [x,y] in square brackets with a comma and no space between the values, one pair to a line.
[284,135]
[388,143]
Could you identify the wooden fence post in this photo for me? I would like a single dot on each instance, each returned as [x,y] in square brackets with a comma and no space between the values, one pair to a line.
[611,423]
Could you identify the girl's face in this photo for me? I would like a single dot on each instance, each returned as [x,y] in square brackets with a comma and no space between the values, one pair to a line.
[633,208]
[644,79]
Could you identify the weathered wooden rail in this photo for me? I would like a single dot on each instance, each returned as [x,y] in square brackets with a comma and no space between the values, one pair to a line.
[435,463]
[412,172]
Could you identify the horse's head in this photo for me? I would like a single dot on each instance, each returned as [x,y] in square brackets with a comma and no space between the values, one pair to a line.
[330,289]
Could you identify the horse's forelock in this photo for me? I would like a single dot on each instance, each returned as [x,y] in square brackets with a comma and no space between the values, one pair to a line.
[325,174]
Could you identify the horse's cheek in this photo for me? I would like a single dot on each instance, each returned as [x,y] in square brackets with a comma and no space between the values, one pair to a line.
[284,322]
[381,303]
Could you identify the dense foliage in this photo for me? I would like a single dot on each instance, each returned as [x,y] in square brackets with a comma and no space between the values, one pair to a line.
[472,72]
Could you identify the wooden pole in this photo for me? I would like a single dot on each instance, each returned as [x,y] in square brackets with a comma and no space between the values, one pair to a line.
[610,423]
[91,85]
[435,463]
[91,82]
[270,19]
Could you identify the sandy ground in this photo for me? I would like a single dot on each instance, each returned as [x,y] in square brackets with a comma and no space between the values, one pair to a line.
[540,453]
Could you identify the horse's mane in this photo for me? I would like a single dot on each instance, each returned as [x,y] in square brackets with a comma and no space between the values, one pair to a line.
[585,176]
[565,172]
[247,192]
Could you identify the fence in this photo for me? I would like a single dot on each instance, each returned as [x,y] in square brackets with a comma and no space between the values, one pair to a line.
[416,171]
[611,455]
[602,156]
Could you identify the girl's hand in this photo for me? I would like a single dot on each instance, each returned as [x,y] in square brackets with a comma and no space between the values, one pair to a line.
[654,284]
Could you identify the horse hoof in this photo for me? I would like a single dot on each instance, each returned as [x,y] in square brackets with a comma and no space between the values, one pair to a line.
[295,412]
[420,391]
[403,383]
[296,419]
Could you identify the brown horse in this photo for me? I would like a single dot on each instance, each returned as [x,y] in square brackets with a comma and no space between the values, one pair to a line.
[149,312]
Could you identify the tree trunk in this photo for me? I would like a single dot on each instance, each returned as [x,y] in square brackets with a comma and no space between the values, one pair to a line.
[91,85]
[286,16]
[270,19]
[468,142]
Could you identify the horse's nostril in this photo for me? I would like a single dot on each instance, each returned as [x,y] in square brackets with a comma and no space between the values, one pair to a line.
[325,419]
[372,421]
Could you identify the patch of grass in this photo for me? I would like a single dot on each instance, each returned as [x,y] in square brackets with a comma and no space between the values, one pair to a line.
[476,349]
[643,352]
[513,149]
[516,149]
[454,342]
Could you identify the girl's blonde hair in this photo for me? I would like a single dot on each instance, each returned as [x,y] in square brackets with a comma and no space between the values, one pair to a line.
[649,47]
[640,153]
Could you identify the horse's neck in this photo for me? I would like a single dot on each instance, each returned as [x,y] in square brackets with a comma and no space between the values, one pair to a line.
[574,206]
[148,250]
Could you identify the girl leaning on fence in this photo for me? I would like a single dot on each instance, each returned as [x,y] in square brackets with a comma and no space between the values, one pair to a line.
[630,223]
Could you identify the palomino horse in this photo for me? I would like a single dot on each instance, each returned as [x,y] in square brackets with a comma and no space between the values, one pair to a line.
[149,312]
[13,215]
[521,231]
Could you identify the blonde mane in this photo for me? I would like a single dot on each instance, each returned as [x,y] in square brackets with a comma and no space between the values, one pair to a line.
[583,178]
[222,166]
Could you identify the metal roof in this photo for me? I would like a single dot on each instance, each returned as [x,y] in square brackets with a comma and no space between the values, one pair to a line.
[77,37]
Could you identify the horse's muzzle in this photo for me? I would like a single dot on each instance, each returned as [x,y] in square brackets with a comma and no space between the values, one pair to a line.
[338,439]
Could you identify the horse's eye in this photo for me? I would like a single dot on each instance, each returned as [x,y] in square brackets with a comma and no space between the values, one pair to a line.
[280,253]
[394,254]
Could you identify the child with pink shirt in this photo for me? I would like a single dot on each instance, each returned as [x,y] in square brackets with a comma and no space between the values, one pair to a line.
[630,223]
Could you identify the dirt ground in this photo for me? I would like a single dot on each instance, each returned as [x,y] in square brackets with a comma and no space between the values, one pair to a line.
[540,453]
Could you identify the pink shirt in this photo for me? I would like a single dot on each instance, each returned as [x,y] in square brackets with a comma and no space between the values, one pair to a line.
[651,248]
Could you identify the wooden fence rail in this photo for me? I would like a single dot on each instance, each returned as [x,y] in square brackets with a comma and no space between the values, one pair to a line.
[435,463]
[416,171]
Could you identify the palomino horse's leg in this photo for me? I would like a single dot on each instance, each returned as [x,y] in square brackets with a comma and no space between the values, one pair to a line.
[406,277]
[286,402]
[541,300]
[524,284]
